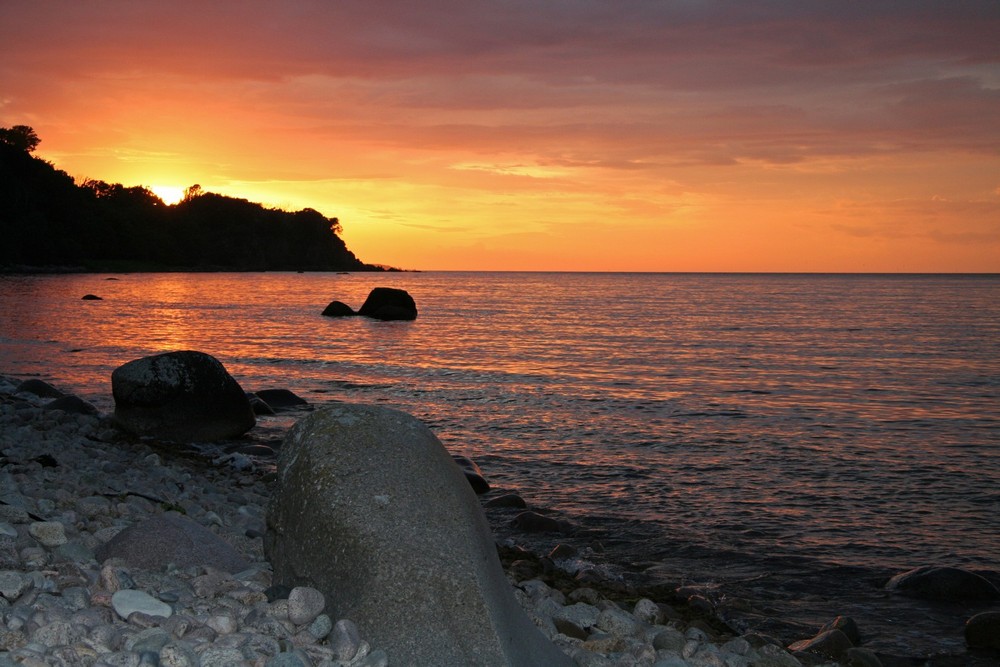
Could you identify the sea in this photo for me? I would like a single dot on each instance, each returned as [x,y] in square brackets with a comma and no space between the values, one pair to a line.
[782,443]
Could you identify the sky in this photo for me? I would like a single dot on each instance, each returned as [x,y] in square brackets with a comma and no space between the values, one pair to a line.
[625,135]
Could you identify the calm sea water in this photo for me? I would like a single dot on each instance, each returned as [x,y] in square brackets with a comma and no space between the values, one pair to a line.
[789,439]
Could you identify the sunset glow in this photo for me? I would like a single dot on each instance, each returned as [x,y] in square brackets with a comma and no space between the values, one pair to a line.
[669,136]
[170,194]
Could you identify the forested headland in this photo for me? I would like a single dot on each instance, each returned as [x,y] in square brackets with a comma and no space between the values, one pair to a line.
[48,221]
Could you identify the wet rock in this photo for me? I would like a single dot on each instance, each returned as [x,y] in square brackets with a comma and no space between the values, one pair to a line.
[338,309]
[91,297]
[182,396]
[281,399]
[388,303]
[829,644]
[472,473]
[533,522]
[353,518]
[846,625]
[983,630]
[39,388]
[948,584]
[506,500]
[74,405]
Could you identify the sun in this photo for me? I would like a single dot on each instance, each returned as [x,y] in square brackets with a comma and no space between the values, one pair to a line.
[170,194]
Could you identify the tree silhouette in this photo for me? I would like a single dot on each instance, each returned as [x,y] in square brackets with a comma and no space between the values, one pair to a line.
[47,219]
[21,137]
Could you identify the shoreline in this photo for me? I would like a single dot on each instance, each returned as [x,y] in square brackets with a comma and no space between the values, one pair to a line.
[236,497]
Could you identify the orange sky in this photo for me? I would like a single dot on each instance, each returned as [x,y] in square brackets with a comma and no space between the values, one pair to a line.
[679,135]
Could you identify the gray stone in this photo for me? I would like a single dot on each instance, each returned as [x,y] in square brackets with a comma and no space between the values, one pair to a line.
[48,533]
[178,654]
[304,605]
[181,396]
[949,584]
[13,584]
[345,640]
[372,510]
[167,538]
[130,601]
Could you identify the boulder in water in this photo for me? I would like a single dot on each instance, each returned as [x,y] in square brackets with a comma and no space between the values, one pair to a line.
[372,511]
[389,303]
[338,309]
[472,473]
[180,396]
[983,630]
[282,399]
[73,405]
[948,584]
[39,388]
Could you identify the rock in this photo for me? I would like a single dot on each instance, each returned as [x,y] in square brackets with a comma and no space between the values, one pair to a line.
[338,309]
[13,584]
[507,500]
[562,552]
[846,625]
[181,396]
[983,630]
[304,605]
[388,303]
[862,657]
[829,644]
[72,404]
[129,601]
[91,297]
[948,584]
[533,522]
[39,388]
[472,473]
[166,538]
[281,399]
[258,406]
[48,533]
[371,510]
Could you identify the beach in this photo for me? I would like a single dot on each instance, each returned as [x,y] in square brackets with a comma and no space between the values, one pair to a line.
[72,482]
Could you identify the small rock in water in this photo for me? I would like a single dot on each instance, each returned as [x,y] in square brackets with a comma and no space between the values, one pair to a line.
[943,583]
[983,630]
[91,297]
[129,601]
[533,522]
[507,500]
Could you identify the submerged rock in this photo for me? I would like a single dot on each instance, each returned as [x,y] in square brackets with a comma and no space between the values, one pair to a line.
[372,511]
[181,396]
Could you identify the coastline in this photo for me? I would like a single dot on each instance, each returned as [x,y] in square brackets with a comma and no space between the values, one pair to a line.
[78,471]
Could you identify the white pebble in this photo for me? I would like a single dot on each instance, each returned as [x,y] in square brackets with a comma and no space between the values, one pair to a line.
[128,601]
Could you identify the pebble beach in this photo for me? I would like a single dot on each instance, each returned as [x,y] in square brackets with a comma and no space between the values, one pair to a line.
[70,482]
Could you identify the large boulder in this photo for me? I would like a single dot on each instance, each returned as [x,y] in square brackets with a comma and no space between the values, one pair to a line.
[371,510]
[389,303]
[949,584]
[180,396]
